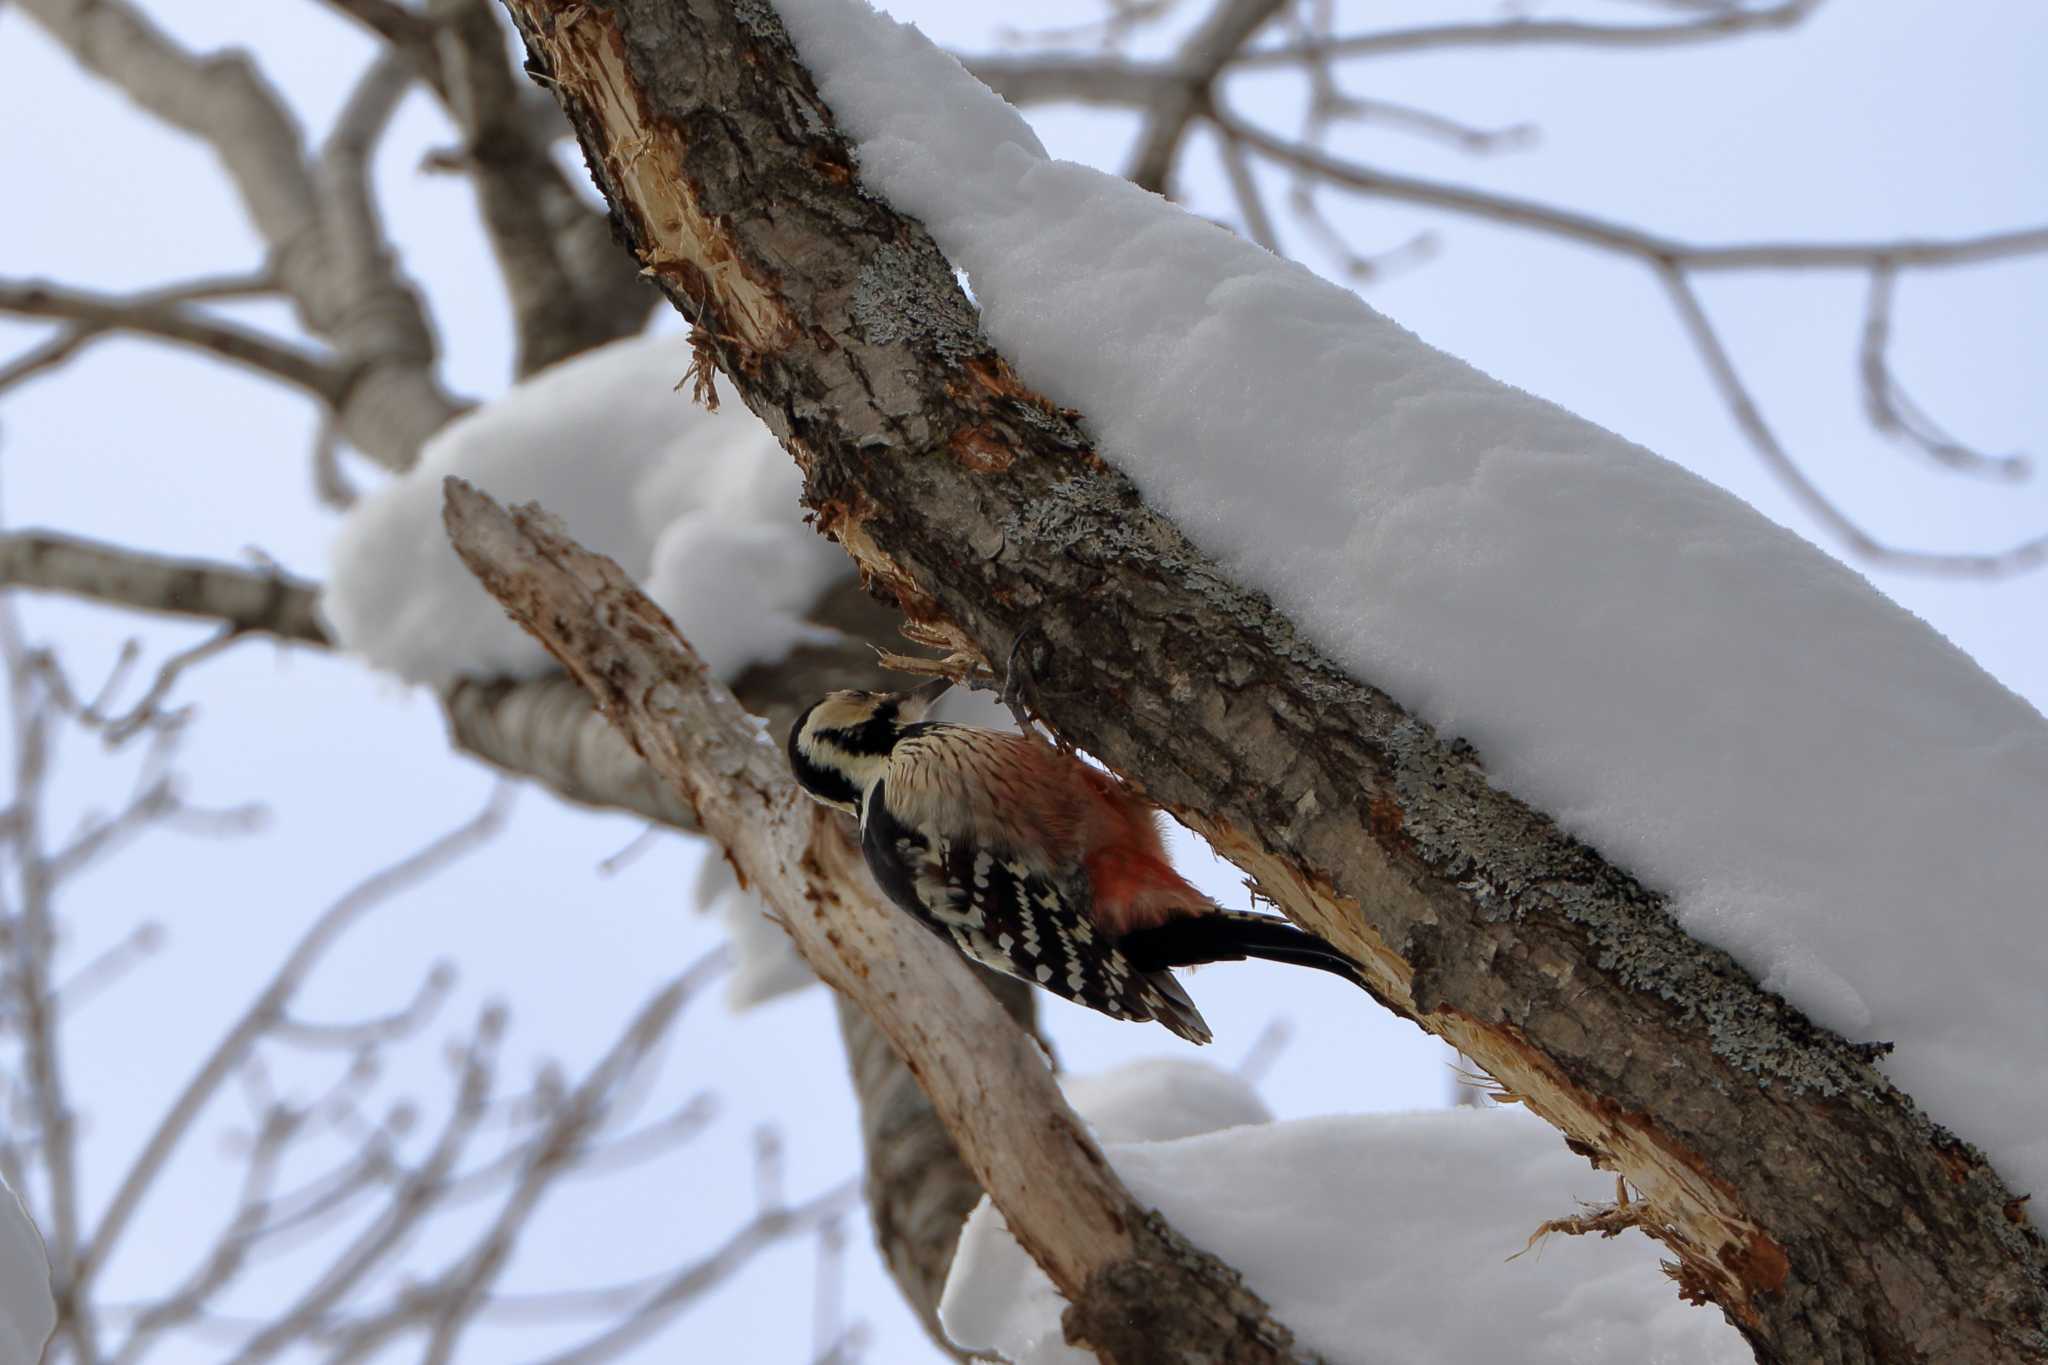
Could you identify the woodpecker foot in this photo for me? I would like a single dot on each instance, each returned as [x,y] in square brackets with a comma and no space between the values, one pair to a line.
[1020,692]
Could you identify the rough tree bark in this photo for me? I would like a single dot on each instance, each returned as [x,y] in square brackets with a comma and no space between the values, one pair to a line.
[1796,1188]
[1140,1293]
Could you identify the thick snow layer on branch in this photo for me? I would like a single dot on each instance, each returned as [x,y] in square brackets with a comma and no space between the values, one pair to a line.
[700,507]
[27,1311]
[1376,1237]
[1826,787]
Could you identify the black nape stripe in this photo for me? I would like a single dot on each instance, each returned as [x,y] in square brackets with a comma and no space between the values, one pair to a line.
[873,737]
[828,784]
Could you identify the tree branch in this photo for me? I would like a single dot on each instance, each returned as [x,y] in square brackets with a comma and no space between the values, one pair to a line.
[1892,410]
[279,360]
[404,29]
[1121,83]
[1674,261]
[1107,82]
[262,1012]
[1903,253]
[512,173]
[2017,558]
[1201,59]
[1724,22]
[984,1075]
[267,601]
[30,944]
[981,506]
[352,298]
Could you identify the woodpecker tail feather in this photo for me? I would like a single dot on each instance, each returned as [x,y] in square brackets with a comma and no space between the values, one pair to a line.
[1232,936]
[1172,1007]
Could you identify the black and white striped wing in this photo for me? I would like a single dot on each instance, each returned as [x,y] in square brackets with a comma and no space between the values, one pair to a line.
[1008,915]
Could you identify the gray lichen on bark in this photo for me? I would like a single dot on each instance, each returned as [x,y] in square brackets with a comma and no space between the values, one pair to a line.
[894,301]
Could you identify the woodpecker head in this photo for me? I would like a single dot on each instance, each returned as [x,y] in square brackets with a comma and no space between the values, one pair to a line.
[840,746]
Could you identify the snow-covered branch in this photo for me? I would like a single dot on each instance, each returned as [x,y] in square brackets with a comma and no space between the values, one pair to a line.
[987,1078]
[1189,92]
[982,504]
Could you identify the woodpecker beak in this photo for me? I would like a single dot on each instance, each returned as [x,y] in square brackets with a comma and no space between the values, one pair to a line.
[922,699]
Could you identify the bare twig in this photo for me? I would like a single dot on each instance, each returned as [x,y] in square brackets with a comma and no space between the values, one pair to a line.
[1055,79]
[1903,253]
[1244,186]
[636,847]
[407,1204]
[145,711]
[653,1306]
[1266,1049]
[330,483]
[1124,18]
[1730,22]
[110,966]
[1893,411]
[553,1150]
[1426,123]
[315,374]
[1674,261]
[230,1248]
[303,1213]
[408,1019]
[264,1011]
[1749,417]
[32,947]
[1116,82]
[47,355]
[828,1295]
